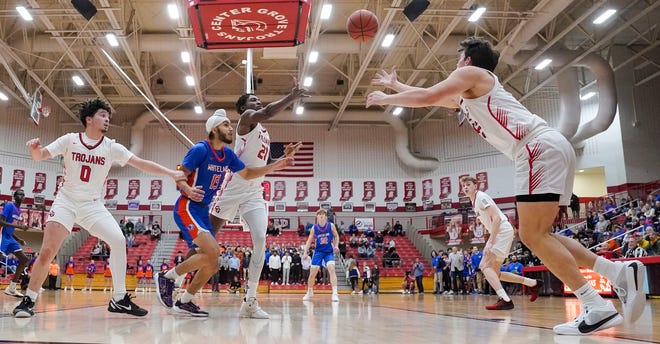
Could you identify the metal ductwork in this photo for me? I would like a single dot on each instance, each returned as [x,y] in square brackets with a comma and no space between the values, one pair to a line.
[403,150]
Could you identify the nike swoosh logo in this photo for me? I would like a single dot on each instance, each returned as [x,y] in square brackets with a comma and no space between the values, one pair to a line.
[128,308]
[586,328]
[634,267]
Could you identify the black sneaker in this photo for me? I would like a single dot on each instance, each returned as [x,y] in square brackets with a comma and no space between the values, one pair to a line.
[127,306]
[164,289]
[191,308]
[24,309]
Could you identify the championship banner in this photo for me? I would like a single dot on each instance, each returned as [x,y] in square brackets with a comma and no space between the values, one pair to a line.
[301,190]
[18,180]
[156,189]
[58,183]
[390,191]
[324,190]
[39,182]
[133,189]
[409,191]
[266,187]
[280,190]
[111,186]
[454,225]
[346,191]
[445,187]
[482,181]
[460,187]
[369,191]
[427,189]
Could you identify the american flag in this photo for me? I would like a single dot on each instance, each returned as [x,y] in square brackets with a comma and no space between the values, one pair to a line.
[304,160]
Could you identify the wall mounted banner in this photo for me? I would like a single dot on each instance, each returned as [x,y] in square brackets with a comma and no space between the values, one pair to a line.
[58,183]
[445,187]
[39,182]
[460,187]
[369,191]
[266,186]
[482,181]
[427,189]
[409,191]
[18,180]
[324,191]
[390,191]
[279,190]
[346,191]
[111,186]
[156,189]
[133,189]
[301,190]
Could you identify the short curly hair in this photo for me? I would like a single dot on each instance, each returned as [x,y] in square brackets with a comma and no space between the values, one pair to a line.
[242,101]
[481,52]
[89,108]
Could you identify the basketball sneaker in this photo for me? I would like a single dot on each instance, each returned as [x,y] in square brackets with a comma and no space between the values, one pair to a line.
[629,287]
[534,291]
[190,308]
[164,289]
[127,306]
[308,296]
[250,309]
[500,305]
[591,320]
[13,292]
[25,308]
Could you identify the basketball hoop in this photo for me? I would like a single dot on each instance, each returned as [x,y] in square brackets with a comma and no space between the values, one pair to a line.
[36,109]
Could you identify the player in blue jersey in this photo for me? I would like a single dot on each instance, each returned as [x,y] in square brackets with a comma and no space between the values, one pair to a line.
[326,240]
[10,242]
[205,165]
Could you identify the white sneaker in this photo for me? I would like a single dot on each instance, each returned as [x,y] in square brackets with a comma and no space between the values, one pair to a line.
[251,309]
[13,292]
[591,320]
[308,296]
[353,292]
[335,297]
[629,286]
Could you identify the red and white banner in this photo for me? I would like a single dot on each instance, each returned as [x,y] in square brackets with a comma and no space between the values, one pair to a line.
[111,187]
[18,180]
[324,190]
[369,190]
[156,189]
[460,187]
[598,282]
[301,190]
[0,174]
[482,181]
[390,191]
[427,189]
[58,183]
[266,186]
[346,191]
[39,182]
[279,190]
[133,189]
[445,187]
[409,191]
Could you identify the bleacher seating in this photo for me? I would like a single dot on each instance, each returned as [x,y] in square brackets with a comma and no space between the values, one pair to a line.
[145,250]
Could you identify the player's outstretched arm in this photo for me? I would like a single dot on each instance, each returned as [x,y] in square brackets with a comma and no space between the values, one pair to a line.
[256,172]
[389,80]
[275,107]
[37,152]
[151,167]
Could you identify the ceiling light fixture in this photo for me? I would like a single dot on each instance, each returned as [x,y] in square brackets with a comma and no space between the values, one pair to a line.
[190,81]
[587,95]
[387,41]
[477,14]
[185,57]
[198,109]
[326,11]
[3,97]
[604,16]
[308,81]
[78,80]
[543,64]
[112,39]
[24,13]
[173,11]
[397,111]
[300,110]
[313,56]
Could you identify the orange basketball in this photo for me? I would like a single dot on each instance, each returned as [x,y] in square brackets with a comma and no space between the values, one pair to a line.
[362,25]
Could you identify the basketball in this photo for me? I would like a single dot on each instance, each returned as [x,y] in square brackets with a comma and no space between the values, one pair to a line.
[362,25]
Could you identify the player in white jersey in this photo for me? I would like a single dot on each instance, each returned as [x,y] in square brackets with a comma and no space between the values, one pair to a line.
[498,246]
[246,196]
[88,157]
[544,170]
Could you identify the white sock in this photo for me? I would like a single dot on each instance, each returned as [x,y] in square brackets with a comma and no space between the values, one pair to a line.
[32,294]
[607,268]
[529,282]
[118,296]
[12,286]
[179,280]
[172,274]
[334,289]
[501,293]
[310,291]
[588,296]
[187,297]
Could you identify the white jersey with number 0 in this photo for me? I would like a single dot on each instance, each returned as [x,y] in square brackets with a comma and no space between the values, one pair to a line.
[253,149]
[87,163]
[481,202]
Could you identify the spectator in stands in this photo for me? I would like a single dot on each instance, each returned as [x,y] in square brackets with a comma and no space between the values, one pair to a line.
[375,278]
[130,239]
[353,275]
[575,206]
[179,258]
[122,226]
[371,252]
[306,264]
[296,267]
[456,265]
[437,272]
[270,229]
[418,272]
[391,258]
[391,244]
[366,279]
[369,233]
[353,241]
[653,248]
[53,272]
[130,227]
[602,224]
[342,247]
[286,268]
[275,266]
[632,248]
[341,228]
[379,241]
[387,229]
[156,231]
[397,229]
[245,263]
[139,227]
[164,266]
[97,251]
[362,251]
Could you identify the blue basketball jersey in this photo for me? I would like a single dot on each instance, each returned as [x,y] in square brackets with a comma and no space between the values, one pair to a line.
[11,213]
[323,236]
[209,166]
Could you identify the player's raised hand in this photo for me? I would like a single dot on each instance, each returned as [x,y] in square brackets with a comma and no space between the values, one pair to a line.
[283,163]
[376,98]
[383,78]
[33,144]
[291,149]
[297,91]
